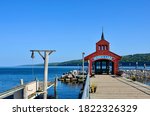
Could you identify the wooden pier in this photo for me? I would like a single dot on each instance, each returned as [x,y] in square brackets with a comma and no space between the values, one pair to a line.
[27,91]
[111,87]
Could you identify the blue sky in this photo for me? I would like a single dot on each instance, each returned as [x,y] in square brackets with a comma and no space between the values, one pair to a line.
[71,27]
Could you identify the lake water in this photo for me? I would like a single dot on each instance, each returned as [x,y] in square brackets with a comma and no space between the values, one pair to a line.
[134,68]
[10,77]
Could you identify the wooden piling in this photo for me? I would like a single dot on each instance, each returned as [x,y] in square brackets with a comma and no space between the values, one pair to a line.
[55,88]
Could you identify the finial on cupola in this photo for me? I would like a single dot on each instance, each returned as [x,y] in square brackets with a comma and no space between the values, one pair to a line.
[102,37]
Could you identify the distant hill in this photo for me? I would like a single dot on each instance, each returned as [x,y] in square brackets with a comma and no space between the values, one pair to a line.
[128,60]
[68,63]
[132,59]
[136,58]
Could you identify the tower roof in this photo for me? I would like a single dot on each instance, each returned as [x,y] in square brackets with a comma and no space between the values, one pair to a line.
[102,40]
[102,36]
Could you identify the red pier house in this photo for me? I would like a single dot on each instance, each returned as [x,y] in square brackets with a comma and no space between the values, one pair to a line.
[103,61]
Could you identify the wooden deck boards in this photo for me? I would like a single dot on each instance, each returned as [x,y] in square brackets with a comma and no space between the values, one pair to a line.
[109,87]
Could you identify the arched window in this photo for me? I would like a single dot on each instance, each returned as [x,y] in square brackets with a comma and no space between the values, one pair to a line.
[102,47]
[105,47]
[99,47]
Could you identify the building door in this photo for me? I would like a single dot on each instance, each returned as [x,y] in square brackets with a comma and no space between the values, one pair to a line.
[98,67]
[104,67]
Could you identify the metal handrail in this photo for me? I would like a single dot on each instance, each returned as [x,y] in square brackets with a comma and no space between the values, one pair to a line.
[86,94]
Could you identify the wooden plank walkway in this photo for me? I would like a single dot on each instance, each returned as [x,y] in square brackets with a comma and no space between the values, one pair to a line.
[111,87]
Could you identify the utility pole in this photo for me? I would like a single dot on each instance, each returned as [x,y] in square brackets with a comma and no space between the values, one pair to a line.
[45,58]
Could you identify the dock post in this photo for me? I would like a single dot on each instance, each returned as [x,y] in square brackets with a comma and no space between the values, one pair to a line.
[55,88]
[25,96]
[21,81]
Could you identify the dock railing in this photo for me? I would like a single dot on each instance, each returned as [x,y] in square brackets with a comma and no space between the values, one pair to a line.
[86,94]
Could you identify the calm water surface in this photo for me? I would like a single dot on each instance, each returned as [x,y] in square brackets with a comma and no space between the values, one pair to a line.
[10,77]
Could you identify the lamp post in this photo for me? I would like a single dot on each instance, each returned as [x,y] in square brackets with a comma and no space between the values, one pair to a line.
[136,69]
[144,70]
[136,65]
[144,66]
[83,63]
